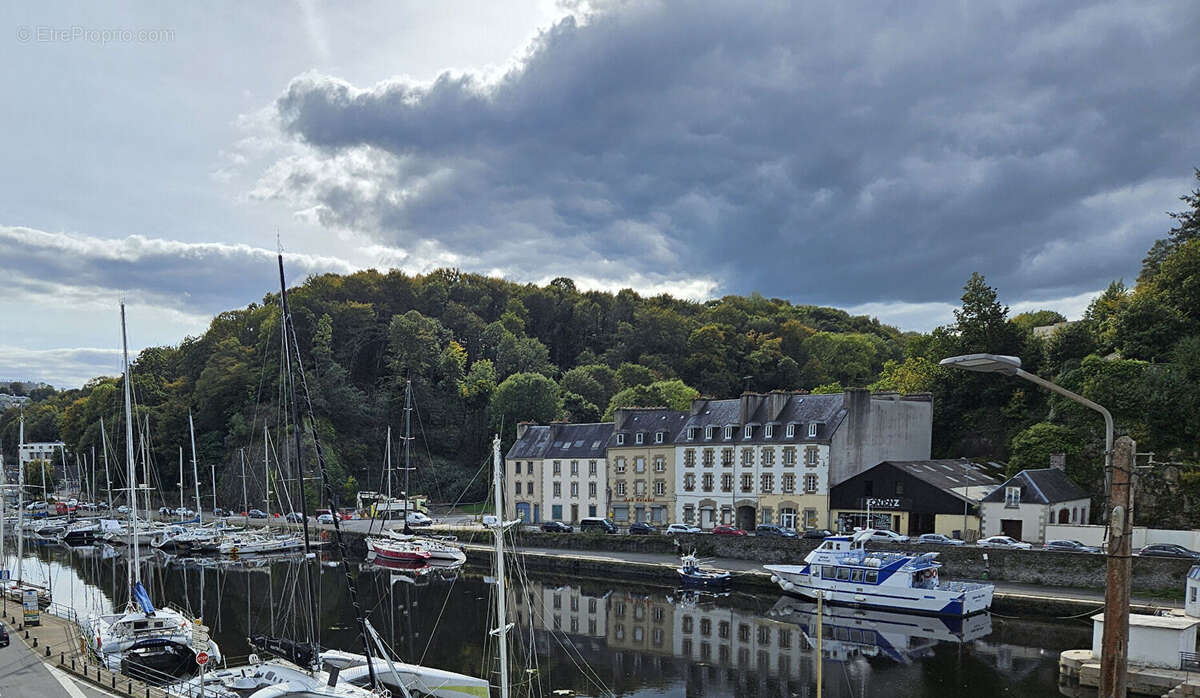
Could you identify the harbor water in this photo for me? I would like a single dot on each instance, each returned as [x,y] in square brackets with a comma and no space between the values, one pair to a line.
[590,636]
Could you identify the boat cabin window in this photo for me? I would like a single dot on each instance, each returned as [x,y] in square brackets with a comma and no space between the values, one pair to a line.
[140,625]
[856,575]
[843,573]
[872,577]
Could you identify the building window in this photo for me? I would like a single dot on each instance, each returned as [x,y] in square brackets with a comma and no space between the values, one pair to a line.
[558,467]
[749,432]
[557,490]
[529,487]
[705,626]
[706,483]
[747,457]
[620,488]
[689,458]
[768,431]
[591,467]
[747,482]
[658,437]
[791,431]
[787,517]
[810,456]
[592,490]
[789,483]
[708,457]
[519,487]
[639,464]
[727,482]
[810,483]
[639,488]
[727,457]
[812,430]
[687,624]
[574,489]
[660,487]
[620,439]
[728,432]
[789,456]
[660,464]
[689,482]
[1012,497]
[518,467]
[768,483]
[743,632]
[768,456]
[574,467]
[620,463]
[638,438]
[691,433]
[708,432]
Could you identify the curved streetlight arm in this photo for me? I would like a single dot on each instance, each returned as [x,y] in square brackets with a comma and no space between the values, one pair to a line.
[1108,420]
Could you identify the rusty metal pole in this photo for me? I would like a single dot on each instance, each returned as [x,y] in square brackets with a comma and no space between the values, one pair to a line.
[1115,643]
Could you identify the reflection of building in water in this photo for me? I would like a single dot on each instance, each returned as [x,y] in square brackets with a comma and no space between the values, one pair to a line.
[579,614]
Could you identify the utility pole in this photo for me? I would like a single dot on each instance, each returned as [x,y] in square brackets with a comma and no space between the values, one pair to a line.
[1115,642]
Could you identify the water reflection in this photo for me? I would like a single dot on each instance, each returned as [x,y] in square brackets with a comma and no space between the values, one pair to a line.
[634,640]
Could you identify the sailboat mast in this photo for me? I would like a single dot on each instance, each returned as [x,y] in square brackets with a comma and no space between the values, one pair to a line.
[195,470]
[245,499]
[135,571]
[3,518]
[266,473]
[181,482]
[388,450]
[502,626]
[104,452]
[407,441]
[213,467]
[20,503]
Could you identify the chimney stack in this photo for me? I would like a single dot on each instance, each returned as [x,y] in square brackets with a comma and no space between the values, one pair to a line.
[522,427]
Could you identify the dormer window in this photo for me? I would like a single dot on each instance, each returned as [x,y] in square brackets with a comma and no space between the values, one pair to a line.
[749,431]
[1012,496]
[791,431]
[691,433]
[769,431]
[729,432]
[620,439]
[708,433]
[639,438]
[812,430]
[658,437]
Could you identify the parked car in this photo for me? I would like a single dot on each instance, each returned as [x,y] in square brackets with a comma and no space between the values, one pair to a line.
[415,518]
[3,636]
[1070,546]
[326,518]
[682,528]
[166,511]
[938,539]
[296,517]
[1169,550]
[1004,542]
[595,523]
[556,527]
[642,528]
[771,530]
[818,533]
[182,511]
[122,509]
[260,514]
[727,530]
[220,512]
[880,535]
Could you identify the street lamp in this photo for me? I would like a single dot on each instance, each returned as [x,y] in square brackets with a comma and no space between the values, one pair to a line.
[1116,595]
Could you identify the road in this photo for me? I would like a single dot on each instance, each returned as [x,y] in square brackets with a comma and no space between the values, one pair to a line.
[23,675]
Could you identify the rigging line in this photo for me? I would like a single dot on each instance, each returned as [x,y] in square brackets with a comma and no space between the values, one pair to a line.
[437,621]
[425,438]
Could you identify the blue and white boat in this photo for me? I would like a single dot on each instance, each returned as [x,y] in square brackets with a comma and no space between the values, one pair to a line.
[692,574]
[844,572]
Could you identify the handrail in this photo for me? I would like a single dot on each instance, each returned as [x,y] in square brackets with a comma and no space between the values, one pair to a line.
[1189,661]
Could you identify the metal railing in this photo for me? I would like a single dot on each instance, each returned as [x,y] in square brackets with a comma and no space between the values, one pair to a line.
[1189,661]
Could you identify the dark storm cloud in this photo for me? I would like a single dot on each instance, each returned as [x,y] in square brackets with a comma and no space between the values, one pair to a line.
[830,152]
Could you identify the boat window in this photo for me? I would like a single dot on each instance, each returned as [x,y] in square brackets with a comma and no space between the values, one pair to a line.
[856,576]
[140,625]
[872,577]
[843,573]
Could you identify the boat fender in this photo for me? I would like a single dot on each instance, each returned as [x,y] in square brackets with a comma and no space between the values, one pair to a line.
[788,586]
[774,579]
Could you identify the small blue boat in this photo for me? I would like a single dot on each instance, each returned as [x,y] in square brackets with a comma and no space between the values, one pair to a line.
[692,574]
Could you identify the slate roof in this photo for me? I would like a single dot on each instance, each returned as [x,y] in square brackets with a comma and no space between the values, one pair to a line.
[1041,486]
[648,421]
[799,409]
[562,441]
[947,474]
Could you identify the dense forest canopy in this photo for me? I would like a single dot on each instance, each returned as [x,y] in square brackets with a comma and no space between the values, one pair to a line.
[483,353]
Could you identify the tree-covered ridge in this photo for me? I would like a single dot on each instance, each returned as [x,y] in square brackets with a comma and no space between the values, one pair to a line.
[484,353]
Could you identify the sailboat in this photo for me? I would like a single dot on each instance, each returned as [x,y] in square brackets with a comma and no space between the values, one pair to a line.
[143,640]
[17,590]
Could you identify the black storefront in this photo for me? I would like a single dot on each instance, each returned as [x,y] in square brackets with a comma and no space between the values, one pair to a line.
[909,496]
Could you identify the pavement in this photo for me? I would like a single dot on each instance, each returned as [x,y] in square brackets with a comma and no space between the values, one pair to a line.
[24,675]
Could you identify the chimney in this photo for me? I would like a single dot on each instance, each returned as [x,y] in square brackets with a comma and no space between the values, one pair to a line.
[619,417]
[522,427]
[750,402]
[779,400]
[1058,461]
[697,406]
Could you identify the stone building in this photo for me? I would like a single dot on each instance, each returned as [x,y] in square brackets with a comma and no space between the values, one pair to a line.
[641,462]
[1023,505]
[557,472]
[771,458]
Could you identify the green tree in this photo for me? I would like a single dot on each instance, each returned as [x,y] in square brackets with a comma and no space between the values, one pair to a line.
[1038,318]
[982,321]
[1177,282]
[629,375]
[916,375]
[578,410]
[828,389]
[1147,328]
[523,397]
[1033,446]
[673,394]
[1186,228]
[37,474]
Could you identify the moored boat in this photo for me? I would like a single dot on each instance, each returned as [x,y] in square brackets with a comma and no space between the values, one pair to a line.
[392,549]
[692,574]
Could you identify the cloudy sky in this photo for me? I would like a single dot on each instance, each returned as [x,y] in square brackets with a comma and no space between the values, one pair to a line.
[864,155]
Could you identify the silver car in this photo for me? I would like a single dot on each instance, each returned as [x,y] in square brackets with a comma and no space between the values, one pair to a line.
[1004,542]
[938,539]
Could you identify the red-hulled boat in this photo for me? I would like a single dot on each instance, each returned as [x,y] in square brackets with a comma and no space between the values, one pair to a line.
[396,549]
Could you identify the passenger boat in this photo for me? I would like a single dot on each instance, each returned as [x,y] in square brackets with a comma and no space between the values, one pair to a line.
[844,572]
[692,574]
